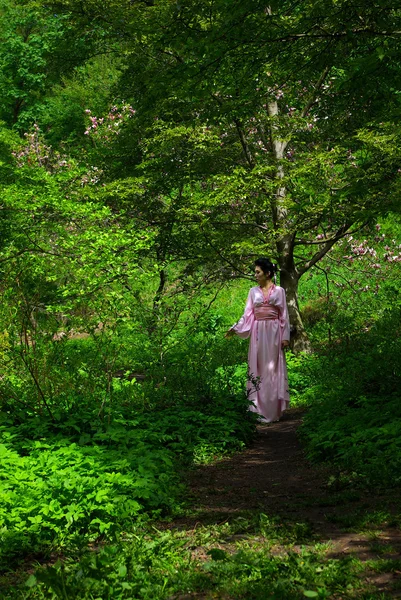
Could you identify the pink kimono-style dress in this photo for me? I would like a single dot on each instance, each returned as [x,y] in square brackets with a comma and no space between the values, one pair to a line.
[266,322]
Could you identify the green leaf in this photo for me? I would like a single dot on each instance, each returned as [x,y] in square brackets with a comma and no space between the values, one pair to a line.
[122,571]
[31,581]
[310,594]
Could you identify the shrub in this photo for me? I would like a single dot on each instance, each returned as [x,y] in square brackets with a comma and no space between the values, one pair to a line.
[354,417]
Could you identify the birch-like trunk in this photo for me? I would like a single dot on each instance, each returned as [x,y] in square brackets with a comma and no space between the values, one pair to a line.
[289,277]
[289,281]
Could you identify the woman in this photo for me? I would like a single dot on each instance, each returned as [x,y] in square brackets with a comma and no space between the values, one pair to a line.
[265,320]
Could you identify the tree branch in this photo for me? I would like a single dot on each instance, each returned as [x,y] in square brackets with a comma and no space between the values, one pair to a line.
[318,85]
[244,144]
[323,251]
[335,238]
[334,35]
[223,258]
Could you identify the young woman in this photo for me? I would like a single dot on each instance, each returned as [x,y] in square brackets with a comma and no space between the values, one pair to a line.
[265,321]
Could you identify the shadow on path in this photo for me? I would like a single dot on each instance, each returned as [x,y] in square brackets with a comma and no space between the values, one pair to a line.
[274,477]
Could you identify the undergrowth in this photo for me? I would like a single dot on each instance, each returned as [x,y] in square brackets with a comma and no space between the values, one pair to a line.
[80,492]
[154,564]
[57,490]
[354,415]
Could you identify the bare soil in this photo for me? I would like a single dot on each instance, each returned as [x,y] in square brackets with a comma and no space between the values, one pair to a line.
[273,476]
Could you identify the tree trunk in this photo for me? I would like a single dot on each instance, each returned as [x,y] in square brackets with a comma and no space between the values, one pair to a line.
[289,276]
[299,339]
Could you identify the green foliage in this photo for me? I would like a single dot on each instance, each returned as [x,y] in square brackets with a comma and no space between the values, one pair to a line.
[62,113]
[354,286]
[150,564]
[57,490]
[62,490]
[27,39]
[165,146]
[110,447]
[354,413]
[38,49]
[246,556]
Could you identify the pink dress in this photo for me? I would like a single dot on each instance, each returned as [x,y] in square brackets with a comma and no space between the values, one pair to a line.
[266,322]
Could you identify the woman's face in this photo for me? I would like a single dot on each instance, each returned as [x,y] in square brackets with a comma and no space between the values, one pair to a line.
[260,276]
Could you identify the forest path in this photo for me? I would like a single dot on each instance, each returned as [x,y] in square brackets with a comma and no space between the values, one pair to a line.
[274,477]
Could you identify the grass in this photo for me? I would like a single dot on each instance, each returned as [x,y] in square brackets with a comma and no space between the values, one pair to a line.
[248,556]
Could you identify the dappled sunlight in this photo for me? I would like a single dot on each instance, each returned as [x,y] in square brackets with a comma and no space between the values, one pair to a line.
[155,157]
[272,493]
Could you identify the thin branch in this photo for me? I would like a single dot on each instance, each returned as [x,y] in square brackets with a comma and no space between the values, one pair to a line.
[193,328]
[318,85]
[323,251]
[244,143]
[43,251]
[335,238]
[334,35]
[223,258]
[328,320]
[197,222]
[14,255]
[168,53]
[262,134]
[346,281]
[28,365]
[355,268]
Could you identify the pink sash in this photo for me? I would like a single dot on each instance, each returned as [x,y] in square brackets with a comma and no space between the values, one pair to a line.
[265,312]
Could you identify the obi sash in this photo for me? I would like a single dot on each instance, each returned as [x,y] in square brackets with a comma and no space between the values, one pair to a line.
[265,312]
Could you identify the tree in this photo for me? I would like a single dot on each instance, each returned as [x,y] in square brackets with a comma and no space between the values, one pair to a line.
[275,85]
[64,260]
[38,50]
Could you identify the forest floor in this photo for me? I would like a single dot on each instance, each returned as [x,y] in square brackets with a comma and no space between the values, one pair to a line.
[273,478]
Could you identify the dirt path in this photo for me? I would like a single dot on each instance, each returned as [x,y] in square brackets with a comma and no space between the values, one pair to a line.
[273,476]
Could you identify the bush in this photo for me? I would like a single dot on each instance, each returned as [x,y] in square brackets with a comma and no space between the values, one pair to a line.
[354,417]
[84,477]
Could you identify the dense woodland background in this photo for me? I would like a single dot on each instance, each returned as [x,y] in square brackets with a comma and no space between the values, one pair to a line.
[149,152]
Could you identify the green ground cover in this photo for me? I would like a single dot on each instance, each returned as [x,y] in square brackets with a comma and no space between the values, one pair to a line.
[80,493]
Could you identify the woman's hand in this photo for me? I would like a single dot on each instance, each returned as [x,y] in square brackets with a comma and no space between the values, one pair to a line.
[229,333]
[285,344]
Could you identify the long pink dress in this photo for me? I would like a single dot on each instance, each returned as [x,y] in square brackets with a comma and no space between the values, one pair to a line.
[265,321]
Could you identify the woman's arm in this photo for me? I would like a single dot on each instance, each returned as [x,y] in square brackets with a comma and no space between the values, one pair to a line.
[284,319]
[243,327]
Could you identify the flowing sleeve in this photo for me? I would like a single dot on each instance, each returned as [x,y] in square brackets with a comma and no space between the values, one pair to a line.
[243,327]
[283,316]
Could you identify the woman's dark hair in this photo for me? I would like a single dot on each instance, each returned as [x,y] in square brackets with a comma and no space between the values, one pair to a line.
[267,267]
